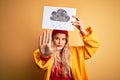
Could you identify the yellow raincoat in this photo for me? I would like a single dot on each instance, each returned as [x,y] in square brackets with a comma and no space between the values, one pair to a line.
[79,55]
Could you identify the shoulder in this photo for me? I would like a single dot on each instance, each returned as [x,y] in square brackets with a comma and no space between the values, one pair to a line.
[76,49]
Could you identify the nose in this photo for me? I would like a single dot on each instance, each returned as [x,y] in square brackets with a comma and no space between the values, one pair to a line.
[59,42]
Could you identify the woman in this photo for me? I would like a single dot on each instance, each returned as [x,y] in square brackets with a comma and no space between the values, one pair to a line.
[59,60]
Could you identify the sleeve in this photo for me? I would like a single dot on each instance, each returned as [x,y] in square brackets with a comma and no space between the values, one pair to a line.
[43,63]
[91,44]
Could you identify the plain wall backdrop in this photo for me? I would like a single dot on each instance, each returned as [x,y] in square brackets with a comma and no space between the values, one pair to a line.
[20,27]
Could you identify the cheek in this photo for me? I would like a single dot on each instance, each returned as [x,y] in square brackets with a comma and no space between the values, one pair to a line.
[64,42]
[55,42]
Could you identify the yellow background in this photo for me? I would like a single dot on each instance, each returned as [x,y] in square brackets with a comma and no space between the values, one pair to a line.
[20,26]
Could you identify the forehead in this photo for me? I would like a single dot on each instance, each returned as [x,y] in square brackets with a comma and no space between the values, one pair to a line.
[60,35]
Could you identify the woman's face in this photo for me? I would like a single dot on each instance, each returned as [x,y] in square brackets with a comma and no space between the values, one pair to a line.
[59,40]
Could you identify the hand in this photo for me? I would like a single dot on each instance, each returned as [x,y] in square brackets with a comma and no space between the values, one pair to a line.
[79,25]
[45,43]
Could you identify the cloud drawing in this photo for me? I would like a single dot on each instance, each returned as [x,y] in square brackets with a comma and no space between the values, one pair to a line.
[60,15]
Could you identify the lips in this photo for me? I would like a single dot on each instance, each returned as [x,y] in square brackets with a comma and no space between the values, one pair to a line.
[59,45]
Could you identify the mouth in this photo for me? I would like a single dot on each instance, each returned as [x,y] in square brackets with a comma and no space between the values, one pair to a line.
[59,45]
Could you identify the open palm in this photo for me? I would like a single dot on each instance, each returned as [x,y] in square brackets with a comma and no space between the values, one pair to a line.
[45,43]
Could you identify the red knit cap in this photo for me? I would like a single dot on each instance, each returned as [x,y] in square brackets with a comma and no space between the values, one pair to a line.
[54,32]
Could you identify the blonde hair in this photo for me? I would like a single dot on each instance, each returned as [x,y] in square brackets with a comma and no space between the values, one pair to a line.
[65,59]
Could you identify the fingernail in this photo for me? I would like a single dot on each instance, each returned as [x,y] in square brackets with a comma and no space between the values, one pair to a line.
[73,16]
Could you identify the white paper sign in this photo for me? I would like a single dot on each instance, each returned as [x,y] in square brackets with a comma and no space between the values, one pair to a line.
[58,18]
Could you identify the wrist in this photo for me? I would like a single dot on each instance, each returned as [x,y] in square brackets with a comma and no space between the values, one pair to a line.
[83,32]
[44,56]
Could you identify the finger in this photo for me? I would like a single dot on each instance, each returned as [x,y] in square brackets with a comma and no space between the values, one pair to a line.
[40,40]
[47,33]
[43,38]
[49,37]
[76,18]
[75,23]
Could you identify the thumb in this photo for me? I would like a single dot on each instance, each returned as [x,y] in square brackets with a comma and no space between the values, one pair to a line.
[53,49]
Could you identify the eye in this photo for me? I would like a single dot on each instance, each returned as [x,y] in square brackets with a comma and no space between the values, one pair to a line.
[63,38]
[56,38]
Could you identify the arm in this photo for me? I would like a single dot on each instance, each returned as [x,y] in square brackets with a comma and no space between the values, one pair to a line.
[42,62]
[42,55]
[90,42]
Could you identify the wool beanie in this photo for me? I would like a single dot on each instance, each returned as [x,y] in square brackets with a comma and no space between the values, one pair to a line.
[54,32]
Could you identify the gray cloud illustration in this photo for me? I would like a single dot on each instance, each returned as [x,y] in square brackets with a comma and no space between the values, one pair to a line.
[60,15]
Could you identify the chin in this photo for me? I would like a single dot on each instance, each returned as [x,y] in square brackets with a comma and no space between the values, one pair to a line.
[59,48]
